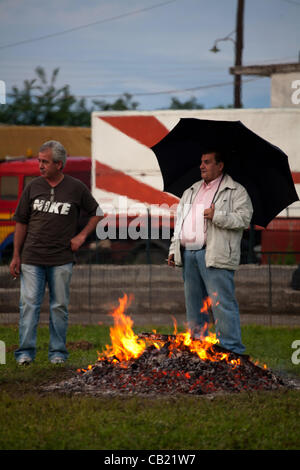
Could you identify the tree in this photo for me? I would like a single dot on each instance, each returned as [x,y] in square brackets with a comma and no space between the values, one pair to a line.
[192,103]
[121,104]
[41,103]
[222,106]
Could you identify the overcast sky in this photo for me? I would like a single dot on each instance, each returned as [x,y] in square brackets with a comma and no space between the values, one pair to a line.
[146,47]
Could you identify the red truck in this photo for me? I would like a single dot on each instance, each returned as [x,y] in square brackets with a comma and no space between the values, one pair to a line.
[14,176]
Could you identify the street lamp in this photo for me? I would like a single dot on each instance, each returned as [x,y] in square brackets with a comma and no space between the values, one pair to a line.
[215,48]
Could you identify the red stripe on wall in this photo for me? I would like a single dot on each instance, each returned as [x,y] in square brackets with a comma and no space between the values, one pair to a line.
[147,130]
[296,177]
[117,182]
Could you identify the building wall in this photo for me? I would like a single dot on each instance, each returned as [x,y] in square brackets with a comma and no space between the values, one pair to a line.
[16,141]
[285,90]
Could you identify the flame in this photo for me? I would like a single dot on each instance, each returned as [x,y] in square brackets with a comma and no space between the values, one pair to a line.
[207,304]
[125,343]
[202,346]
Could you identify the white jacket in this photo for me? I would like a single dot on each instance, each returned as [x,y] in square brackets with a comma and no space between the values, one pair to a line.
[233,212]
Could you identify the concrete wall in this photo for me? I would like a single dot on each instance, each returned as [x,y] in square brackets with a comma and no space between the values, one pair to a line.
[158,294]
[285,90]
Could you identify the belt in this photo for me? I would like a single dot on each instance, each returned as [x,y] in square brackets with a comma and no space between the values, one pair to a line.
[198,249]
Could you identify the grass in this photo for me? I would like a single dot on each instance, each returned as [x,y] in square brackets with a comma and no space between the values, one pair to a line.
[31,419]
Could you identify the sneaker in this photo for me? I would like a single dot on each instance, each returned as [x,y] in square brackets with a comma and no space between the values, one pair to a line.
[57,360]
[24,361]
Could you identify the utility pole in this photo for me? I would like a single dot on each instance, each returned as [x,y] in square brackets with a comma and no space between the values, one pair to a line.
[238,49]
[239,44]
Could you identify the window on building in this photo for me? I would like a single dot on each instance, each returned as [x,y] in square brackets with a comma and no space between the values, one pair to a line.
[9,187]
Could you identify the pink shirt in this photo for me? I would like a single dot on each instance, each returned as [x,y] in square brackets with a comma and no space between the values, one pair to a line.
[193,231]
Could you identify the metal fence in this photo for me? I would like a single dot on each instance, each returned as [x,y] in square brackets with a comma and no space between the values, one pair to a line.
[268,293]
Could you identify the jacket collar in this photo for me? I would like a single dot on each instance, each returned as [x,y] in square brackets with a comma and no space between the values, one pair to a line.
[227,182]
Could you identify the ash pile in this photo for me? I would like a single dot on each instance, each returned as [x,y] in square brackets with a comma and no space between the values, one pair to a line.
[167,366]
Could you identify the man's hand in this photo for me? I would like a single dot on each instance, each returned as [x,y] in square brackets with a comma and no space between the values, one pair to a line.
[209,213]
[77,241]
[15,266]
[171,261]
[80,238]
[19,238]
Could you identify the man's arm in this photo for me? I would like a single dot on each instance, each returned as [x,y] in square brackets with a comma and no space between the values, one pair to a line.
[19,238]
[80,238]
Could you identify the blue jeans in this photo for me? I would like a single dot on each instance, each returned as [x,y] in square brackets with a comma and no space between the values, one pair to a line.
[33,284]
[201,282]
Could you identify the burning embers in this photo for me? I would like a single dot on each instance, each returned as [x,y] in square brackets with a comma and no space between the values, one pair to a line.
[152,363]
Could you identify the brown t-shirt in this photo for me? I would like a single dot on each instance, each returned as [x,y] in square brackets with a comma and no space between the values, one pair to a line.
[52,216]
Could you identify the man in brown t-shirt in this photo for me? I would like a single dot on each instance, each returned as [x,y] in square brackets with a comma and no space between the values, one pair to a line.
[45,240]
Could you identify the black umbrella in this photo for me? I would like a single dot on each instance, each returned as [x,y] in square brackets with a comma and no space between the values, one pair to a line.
[262,168]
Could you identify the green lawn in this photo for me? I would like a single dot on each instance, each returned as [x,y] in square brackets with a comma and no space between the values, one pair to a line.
[31,419]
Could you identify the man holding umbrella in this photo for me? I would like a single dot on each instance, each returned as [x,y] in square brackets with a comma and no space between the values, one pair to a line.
[218,200]
[211,217]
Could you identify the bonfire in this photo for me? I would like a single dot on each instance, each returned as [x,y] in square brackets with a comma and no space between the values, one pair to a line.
[126,345]
[152,364]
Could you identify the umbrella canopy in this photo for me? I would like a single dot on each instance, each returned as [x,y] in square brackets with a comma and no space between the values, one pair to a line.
[261,167]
